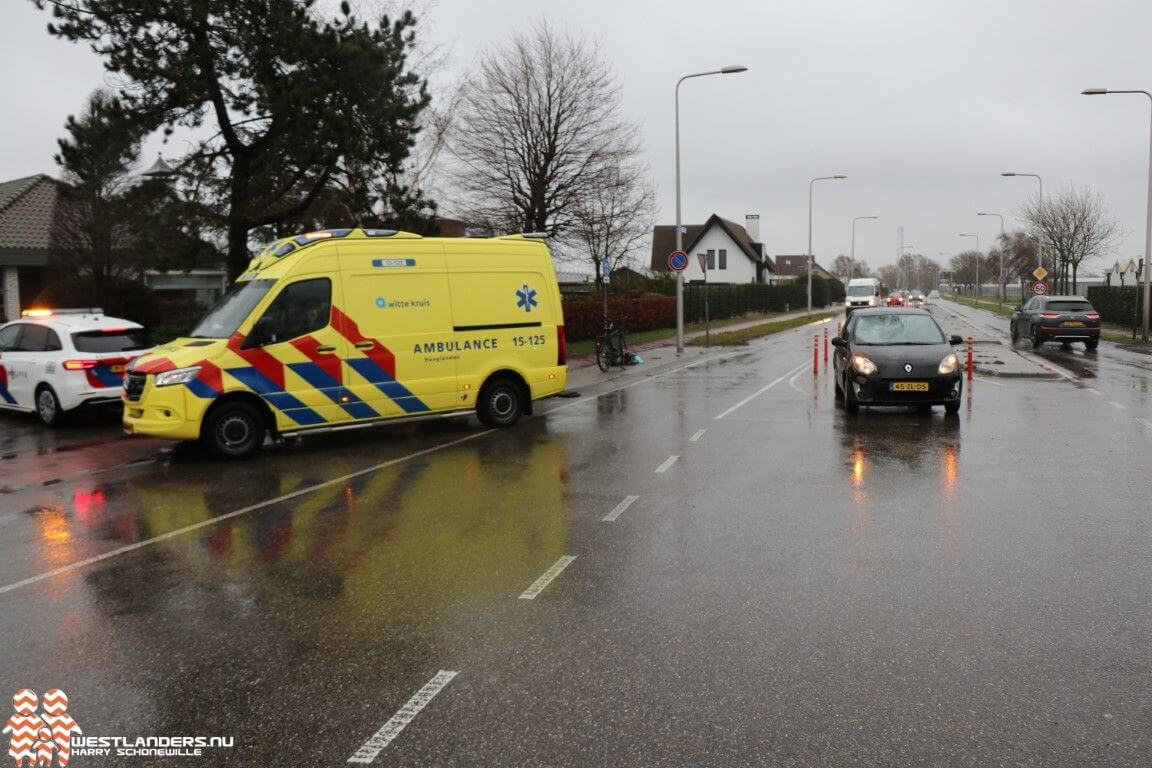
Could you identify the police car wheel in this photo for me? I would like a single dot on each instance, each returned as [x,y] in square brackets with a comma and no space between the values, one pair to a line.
[501,404]
[48,407]
[234,430]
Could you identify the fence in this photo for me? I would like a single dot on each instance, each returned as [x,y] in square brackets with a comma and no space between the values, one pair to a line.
[1117,305]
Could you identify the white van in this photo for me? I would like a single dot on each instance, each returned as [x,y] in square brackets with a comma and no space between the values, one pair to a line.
[862,292]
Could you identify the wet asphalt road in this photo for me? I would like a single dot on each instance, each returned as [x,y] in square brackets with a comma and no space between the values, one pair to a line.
[796,587]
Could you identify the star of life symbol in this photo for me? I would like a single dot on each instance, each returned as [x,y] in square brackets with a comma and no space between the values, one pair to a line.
[40,738]
[526,298]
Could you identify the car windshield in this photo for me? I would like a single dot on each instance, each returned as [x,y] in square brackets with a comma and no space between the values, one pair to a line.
[112,340]
[861,290]
[232,309]
[893,329]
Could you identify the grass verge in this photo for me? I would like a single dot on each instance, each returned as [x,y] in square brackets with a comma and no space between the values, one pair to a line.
[744,335]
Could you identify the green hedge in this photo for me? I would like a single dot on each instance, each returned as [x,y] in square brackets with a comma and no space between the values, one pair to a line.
[1115,304]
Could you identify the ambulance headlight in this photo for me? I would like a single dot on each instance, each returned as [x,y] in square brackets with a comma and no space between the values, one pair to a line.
[177,376]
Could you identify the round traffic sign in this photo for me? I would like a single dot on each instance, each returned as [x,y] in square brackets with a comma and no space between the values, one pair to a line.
[677,261]
[1040,288]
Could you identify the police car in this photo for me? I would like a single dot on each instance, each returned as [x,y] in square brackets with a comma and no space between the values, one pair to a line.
[54,361]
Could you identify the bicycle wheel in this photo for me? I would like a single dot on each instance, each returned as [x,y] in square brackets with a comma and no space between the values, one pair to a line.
[603,355]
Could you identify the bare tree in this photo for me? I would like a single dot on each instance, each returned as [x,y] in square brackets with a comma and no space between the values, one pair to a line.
[843,267]
[889,275]
[1019,249]
[610,222]
[1075,226]
[539,129]
[964,267]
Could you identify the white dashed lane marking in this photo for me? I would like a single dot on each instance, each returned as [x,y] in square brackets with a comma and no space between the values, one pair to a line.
[546,578]
[619,509]
[372,748]
[699,434]
[1116,405]
[668,462]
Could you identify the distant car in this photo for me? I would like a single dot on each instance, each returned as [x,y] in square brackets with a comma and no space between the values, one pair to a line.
[915,301]
[895,299]
[1056,318]
[934,294]
[54,361]
[896,357]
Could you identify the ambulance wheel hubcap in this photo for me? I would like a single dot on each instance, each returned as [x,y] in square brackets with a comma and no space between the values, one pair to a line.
[234,431]
[502,404]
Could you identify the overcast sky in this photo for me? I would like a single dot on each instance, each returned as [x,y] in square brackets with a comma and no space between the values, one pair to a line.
[922,103]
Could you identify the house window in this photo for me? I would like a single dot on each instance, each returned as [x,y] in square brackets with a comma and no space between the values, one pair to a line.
[723,258]
[711,260]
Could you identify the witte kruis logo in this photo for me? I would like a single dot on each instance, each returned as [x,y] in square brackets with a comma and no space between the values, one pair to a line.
[40,738]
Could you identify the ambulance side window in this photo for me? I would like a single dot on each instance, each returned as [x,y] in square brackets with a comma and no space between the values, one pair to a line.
[301,308]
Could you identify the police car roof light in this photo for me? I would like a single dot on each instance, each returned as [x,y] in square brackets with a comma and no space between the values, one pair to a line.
[43,312]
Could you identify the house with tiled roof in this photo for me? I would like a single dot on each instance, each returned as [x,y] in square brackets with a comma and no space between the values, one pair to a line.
[29,211]
[793,266]
[733,253]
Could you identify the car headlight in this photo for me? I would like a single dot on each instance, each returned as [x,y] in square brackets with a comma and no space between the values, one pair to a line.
[871,301]
[177,376]
[863,365]
[949,364]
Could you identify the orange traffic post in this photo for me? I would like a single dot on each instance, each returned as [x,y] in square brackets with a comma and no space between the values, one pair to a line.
[815,353]
[825,344]
[969,358]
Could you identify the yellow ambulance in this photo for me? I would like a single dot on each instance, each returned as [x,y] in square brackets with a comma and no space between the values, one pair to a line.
[347,327]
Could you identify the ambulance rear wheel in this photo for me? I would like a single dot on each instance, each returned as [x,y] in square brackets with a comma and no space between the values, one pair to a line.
[501,403]
[234,430]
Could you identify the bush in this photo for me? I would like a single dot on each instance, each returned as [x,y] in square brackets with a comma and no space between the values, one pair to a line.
[734,300]
[583,319]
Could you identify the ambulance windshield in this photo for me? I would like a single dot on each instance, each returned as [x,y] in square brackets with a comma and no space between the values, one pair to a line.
[232,309]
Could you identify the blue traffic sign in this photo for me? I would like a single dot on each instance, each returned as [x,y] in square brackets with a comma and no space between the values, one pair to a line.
[677,261]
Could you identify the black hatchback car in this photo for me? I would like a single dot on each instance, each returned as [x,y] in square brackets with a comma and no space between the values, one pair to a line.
[896,357]
[1056,318]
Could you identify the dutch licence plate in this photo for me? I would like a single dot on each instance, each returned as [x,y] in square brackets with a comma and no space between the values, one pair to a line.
[118,368]
[909,386]
[1073,324]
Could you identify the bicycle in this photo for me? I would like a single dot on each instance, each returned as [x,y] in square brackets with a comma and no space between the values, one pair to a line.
[611,347]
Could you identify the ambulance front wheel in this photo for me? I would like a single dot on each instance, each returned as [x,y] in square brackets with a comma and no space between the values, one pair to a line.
[501,403]
[234,430]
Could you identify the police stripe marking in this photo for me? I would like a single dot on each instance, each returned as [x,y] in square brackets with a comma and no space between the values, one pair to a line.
[546,578]
[372,748]
[619,509]
[668,462]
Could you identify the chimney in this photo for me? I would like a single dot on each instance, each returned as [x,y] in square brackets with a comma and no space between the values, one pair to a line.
[752,226]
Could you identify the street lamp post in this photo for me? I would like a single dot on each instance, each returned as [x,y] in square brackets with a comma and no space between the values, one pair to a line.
[1040,239]
[729,70]
[978,255]
[905,247]
[853,256]
[1001,294]
[1148,215]
[810,183]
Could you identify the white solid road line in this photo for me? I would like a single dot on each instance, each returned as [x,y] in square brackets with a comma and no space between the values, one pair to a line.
[761,391]
[546,578]
[372,748]
[619,509]
[668,462]
[1116,405]
[696,437]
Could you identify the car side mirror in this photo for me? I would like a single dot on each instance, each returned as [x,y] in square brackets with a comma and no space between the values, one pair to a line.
[839,341]
[1019,308]
[954,339]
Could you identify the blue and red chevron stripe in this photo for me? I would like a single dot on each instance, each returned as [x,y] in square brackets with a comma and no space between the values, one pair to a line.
[5,395]
[379,365]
